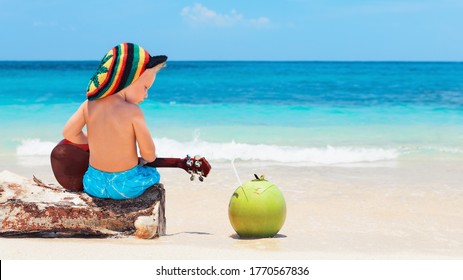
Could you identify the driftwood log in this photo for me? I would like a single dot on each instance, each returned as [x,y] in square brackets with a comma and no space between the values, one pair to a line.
[29,207]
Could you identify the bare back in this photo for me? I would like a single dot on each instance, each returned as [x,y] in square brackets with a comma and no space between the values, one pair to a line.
[115,125]
[111,135]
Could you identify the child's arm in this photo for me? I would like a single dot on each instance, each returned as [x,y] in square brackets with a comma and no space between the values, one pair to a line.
[72,130]
[143,136]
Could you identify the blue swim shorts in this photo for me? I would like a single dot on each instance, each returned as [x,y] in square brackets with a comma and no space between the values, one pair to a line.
[120,185]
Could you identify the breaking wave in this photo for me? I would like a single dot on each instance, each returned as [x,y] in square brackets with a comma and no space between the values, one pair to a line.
[166,147]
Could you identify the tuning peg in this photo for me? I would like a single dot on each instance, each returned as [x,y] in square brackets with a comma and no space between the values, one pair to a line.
[201,178]
[192,177]
[198,163]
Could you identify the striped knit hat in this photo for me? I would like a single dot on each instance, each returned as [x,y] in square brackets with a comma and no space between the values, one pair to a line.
[119,68]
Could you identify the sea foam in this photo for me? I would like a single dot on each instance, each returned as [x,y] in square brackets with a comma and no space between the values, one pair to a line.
[213,151]
[274,153]
[34,147]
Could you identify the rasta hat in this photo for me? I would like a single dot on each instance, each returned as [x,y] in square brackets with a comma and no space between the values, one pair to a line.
[119,68]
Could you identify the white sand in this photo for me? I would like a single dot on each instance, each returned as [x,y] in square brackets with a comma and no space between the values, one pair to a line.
[412,211]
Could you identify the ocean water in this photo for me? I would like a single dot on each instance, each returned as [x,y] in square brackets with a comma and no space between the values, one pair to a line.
[291,113]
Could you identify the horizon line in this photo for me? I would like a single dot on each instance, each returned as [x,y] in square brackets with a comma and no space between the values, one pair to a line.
[245,60]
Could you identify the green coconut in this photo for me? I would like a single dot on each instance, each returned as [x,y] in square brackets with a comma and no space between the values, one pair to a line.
[257,209]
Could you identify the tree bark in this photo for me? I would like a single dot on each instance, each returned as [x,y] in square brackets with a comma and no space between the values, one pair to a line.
[32,208]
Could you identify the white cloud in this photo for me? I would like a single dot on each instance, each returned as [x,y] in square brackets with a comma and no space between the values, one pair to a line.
[199,14]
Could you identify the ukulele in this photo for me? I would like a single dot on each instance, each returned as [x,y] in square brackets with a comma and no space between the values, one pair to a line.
[69,162]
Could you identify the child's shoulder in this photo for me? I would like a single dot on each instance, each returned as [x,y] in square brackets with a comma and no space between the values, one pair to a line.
[132,109]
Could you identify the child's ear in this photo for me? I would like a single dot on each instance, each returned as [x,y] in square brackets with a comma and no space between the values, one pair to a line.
[159,67]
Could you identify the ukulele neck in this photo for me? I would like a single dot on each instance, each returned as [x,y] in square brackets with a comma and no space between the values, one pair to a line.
[165,162]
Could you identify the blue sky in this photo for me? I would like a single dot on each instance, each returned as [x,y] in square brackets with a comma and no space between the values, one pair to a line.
[423,30]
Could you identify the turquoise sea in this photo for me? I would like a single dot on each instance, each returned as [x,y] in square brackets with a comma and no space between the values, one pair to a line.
[292,113]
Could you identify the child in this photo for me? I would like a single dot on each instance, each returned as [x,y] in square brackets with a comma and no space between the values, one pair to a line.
[116,124]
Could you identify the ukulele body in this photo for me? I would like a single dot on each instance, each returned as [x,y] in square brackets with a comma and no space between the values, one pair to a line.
[69,163]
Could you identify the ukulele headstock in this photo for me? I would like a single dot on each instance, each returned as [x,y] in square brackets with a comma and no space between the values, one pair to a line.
[196,165]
